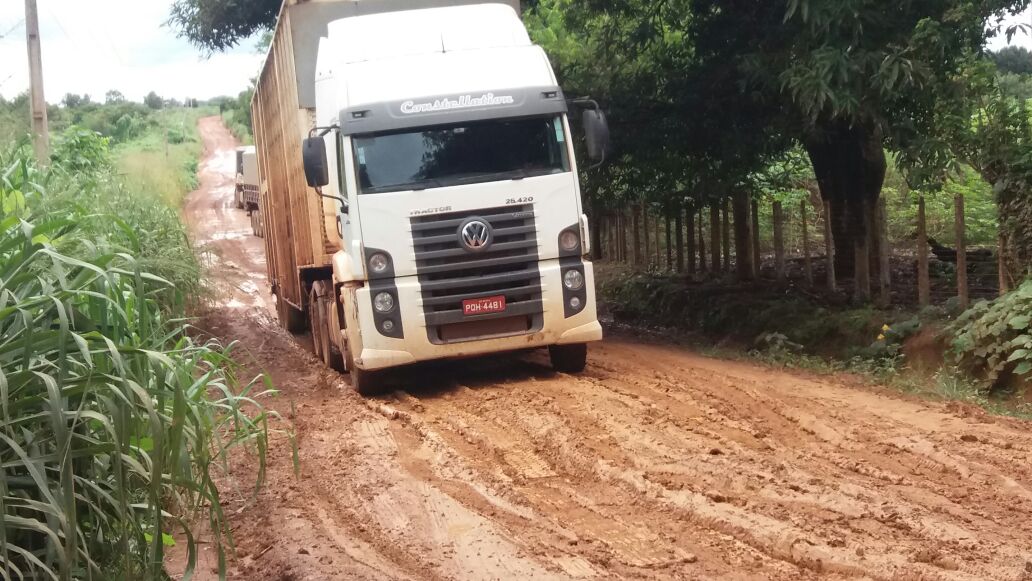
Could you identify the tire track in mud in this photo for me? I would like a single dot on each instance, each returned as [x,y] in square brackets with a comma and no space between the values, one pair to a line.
[819,487]
[654,464]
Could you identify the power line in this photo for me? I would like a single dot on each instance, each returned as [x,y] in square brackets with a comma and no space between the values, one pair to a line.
[13,28]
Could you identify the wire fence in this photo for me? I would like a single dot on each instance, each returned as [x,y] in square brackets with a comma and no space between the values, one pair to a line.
[905,257]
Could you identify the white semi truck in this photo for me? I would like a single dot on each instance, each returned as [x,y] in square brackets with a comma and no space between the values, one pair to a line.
[434,209]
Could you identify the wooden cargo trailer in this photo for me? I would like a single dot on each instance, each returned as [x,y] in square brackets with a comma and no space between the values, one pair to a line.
[301,229]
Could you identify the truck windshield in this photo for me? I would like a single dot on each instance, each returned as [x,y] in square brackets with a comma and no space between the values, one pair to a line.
[474,152]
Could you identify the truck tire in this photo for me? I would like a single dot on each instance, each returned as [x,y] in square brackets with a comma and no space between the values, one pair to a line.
[315,316]
[366,383]
[295,321]
[568,358]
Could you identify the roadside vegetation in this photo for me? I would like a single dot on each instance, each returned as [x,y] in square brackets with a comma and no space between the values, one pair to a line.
[236,114]
[116,416]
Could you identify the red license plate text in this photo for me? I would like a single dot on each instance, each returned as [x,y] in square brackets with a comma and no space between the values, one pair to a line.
[486,306]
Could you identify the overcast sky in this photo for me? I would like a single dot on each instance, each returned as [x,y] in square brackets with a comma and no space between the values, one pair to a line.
[98,45]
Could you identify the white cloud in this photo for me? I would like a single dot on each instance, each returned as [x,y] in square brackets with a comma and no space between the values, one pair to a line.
[93,47]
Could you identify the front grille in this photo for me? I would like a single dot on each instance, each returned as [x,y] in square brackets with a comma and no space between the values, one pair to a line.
[449,274]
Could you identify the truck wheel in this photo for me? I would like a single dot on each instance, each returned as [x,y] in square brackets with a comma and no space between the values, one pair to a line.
[366,383]
[318,323]
[568,358]
[295,321]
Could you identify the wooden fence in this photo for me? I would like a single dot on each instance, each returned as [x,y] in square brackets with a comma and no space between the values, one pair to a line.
[795,246]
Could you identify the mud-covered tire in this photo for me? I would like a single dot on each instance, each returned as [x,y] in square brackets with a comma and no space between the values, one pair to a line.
[318,325]
[568,358]
[295,321]
[366,383]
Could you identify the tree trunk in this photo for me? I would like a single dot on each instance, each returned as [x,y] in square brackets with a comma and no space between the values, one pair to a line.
[850,166]
[743,236]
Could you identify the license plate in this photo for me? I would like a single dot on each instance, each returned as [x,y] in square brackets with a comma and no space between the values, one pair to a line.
[486,306]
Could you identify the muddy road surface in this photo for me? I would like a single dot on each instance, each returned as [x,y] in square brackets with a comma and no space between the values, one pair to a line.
[654,464]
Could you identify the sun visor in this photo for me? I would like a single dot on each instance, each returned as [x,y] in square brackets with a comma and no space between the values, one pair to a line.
[449,109]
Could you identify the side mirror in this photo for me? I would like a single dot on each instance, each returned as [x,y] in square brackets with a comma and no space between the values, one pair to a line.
[596,130]
[317,172]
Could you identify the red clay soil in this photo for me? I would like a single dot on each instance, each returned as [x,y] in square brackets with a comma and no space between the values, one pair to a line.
[656,463]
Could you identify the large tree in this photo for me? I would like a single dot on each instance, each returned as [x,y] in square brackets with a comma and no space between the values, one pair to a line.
[218,25]
[845,78]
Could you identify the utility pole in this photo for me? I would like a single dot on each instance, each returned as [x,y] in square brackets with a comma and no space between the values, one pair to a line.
[37,101]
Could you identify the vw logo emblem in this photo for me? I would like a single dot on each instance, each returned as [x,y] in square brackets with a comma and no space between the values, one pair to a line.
[475,235]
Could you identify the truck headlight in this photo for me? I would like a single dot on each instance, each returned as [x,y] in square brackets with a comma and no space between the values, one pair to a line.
[379,263]
[569,240]
[574,280]
[383,302]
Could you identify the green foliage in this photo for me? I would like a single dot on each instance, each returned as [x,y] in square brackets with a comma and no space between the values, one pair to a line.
[748,315]
[236,114]
[218,25]
[995,339]
[1017,87]
[1013,60]
[82,151]
[114,418]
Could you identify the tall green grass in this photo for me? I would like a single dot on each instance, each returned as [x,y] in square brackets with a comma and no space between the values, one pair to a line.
[163,161]
[113,419]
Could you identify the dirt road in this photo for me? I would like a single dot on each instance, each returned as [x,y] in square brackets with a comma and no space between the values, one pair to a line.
[655,464]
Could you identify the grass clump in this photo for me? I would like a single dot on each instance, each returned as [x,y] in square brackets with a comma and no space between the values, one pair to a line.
[113,418]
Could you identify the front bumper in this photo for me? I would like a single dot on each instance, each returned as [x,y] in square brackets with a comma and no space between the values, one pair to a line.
[375,351]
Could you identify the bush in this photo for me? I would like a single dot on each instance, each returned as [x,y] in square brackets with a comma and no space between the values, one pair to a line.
[994,340]
[113,417]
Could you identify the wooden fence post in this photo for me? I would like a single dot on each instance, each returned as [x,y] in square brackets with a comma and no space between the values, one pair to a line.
[625,222]
[657,249]
[645,228]
[669,243]
[636,236]
[829,247]
[690,251]
[961,243]
[757,258]
[884,256]
[779,241]
[715,256]
[725,233]
[702,241]
[679,227]
[807,261]
[924,285]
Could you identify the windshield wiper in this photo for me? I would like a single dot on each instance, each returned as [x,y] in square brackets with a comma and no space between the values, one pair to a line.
[414,186]
[515,174]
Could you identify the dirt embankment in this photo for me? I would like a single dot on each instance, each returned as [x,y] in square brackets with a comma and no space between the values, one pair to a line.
[654,464]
